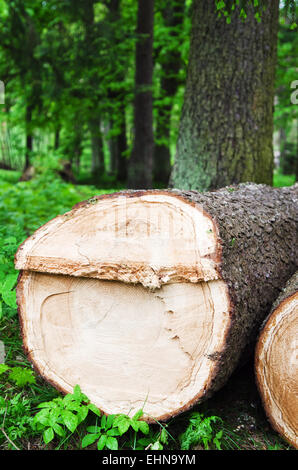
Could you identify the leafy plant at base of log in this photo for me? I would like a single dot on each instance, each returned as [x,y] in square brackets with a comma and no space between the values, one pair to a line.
[15,419]
[62,414]
[111,427]
[21,376]
[200,431]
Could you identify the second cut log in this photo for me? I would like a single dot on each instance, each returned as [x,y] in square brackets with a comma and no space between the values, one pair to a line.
[276,363]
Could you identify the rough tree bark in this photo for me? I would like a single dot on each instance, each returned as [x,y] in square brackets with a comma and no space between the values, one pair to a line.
[150,298]
[226,126]
[141,159]
[276,363]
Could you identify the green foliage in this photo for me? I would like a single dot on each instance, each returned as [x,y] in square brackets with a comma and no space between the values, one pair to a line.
[19,375]
[280,180]
[62,415]
[15,418]
[109,429]
[229,7]
[200,431]
[8,275]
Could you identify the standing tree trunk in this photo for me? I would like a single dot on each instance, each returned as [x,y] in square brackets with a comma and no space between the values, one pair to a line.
[171,63]
[29,137]
[57,138]
[193,276]
[226,126]
[118,145]
[141,160]
[97,162]
[276,363]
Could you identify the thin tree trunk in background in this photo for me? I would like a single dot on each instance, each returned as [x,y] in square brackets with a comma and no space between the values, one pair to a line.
[141,160]
[76,144]
[119,142]
[173,17]
[57,139]
[226,126]
[29,137]
[122,147]
[97,163]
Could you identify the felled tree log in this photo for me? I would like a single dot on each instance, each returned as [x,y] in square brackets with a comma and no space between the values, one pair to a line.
[276,363]
[149,298]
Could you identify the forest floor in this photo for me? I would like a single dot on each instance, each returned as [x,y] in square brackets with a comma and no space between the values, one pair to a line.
[23,208]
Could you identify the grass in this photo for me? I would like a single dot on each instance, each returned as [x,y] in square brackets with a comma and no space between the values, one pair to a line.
[25,206]
[280,180]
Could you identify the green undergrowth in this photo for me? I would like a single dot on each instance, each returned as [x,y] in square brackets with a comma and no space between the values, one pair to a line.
[280,180]
[33,415]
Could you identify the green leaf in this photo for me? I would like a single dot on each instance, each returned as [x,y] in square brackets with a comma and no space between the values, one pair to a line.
[59,430]
[110,421]
[94,409]
[220,5]
[70,420]
[113,432]
[164,436]
[123,423]
[1,314]
[138,415]
[47,404]
[135,425]
[10,241]
[42,417]
[9,282]
[48,435]
[93,429]
[102,442]
[78,395]
[144,427]
[3,368]
[112,443]
[21,376]
[89,439]
[9,298]
[53,416]
[103,421]
[82,413]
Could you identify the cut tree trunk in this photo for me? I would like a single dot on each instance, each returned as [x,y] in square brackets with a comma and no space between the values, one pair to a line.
[276,363]
[149,298]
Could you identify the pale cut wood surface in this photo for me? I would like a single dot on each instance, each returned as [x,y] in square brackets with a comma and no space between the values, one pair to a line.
[126,345]
[152,239]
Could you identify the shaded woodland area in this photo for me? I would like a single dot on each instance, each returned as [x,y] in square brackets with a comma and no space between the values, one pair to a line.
[118,91]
